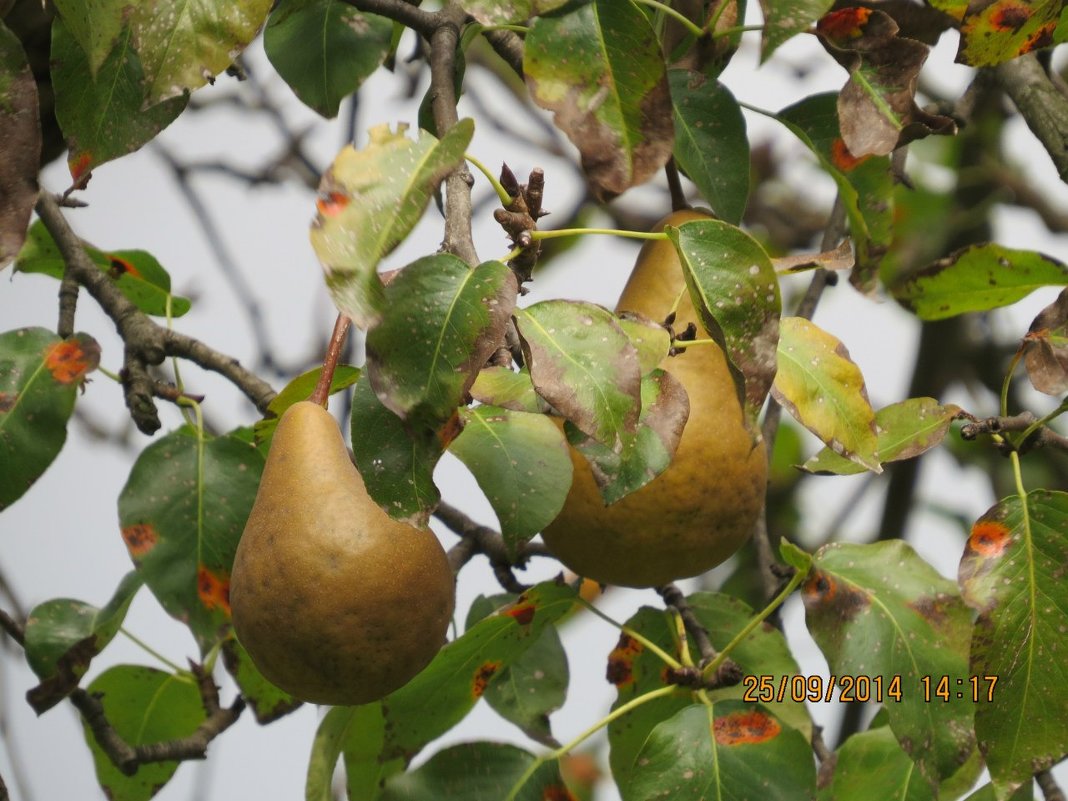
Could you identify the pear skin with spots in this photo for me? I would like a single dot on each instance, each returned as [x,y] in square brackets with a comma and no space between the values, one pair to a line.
[699,511]
[335,601]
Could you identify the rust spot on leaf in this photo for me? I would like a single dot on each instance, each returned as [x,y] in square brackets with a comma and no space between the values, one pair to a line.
[213,588]
[621,661]
[70,360]
[1010,16]
[842,158]
[743,728]
[824,592]
[989,538]
[79,166]
[844,24]
[7,401]
[483,675]
[140,538]
[332,204]
[1043,37]
[121,267]
[557,792]
[522,612]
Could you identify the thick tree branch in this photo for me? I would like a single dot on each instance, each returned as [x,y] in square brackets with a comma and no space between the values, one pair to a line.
[146,342]
[1042,106]
[423,22]
[68,304]
[509,47]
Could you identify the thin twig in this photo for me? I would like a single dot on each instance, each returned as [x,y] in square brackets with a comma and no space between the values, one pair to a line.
[1051,791]
[333,352]
[1043,107]
[68,304]
[1042,437]
[674,598]
[828,759]
[508,46]
[476,538]
[412,16]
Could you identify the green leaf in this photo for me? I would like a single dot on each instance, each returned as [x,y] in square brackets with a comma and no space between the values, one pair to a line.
[325,49]
[63,636]
[500,386]
[648,451]
[396,462]
[267,701]
[94,25]
[824,390]
[1012,574]
[583,363]
[182,512]
[865,186]
[20,142]
[144,706]
[444,321]
[872,764]
[599,69]
[300,389]
[784,19]
[137,274]
[996,32]
[635,670]
[184,45]
[879,610]
[735,291]
[904,430]
[521,462]
[649,338]
[357,733]
[535,685]
[503,12]
[40,375]
[369,200]
[987,793]
[977,278]
[711,145]
[724,750]
[480,771]
[107,115]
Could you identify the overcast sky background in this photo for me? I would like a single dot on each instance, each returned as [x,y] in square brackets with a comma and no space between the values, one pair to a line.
[61,539]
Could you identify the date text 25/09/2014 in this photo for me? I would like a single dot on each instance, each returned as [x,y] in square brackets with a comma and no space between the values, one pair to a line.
[765,688]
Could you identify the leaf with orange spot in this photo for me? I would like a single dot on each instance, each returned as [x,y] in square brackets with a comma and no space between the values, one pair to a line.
[995,31]
[483,674]
[1046,348]
[40,378]
[194,495]
[137,274]
[63,636]
[639,670]
[724,750]
[879,610]
[1013,573]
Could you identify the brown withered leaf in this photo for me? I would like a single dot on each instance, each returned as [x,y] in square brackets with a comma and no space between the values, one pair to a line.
[20,144]
[877,108]
[1046,348]
[841,258]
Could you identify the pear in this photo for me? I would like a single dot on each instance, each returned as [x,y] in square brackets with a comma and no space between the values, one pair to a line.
[335,601]
[700,510]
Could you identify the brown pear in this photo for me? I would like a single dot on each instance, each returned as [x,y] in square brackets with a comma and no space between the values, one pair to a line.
[335,601]
[700,510]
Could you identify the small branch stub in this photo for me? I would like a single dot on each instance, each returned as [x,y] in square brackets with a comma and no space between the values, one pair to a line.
[521,216]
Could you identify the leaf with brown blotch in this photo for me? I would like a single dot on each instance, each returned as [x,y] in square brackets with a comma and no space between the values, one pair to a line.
[599,69]
[20,142]
[877,108]
[1046,348]
[995,31]
[841,258]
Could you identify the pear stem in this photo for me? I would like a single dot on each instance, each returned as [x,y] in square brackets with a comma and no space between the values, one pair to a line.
[333,353]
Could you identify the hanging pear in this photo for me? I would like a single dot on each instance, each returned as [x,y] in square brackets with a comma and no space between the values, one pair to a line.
[335,601]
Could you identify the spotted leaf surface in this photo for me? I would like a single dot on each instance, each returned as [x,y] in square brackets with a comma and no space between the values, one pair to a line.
[872,764]
[824,390]
[635,670]
[880,610]
[144,706]
[324,49]
[500,386]
[369,200]
[865,185]
[396,461]
[136,273]
[521,462]
[1012,573]
[444,321]
[503,12]
[184,44]
[109,114]
[784,19]
[1046,348]
[649,338]
[724,750]
[63,635]
[734,288]
[582,362]
[479,771]
[903,431]
[40,376]
[711,145]
[999,31]
[977,278]
[20,142]
[598,68]
[181,513]
[300,389]
[94,25]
